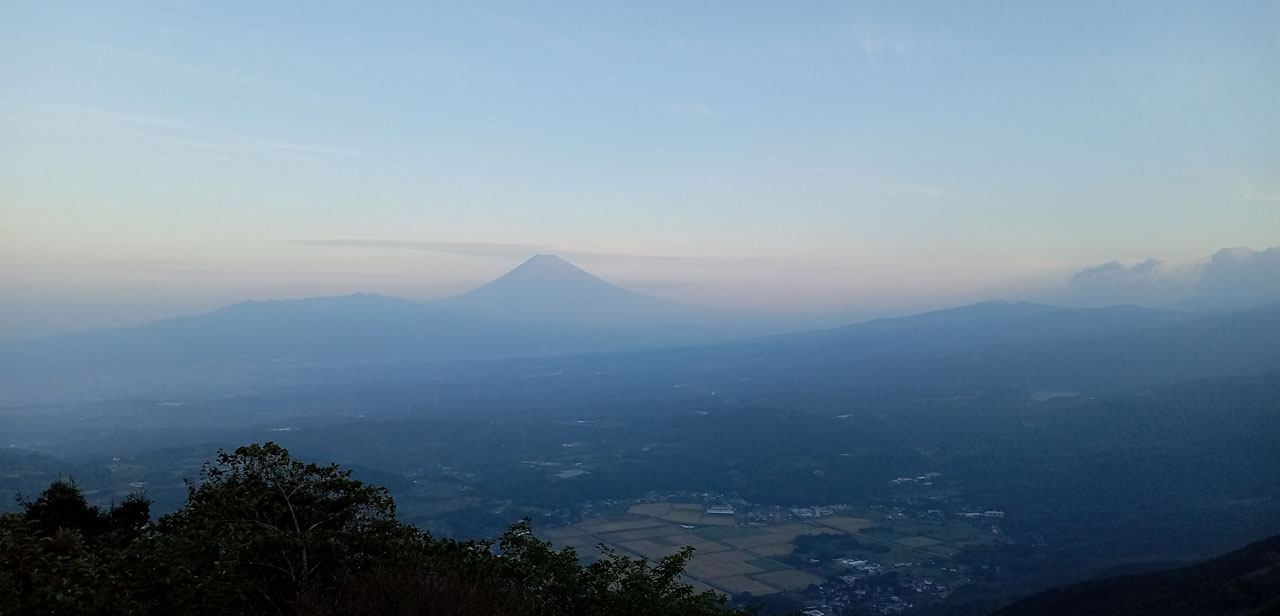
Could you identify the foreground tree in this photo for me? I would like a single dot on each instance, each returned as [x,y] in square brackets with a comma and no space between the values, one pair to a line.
[62,506]
[262,533]
[261,529]
[64,556]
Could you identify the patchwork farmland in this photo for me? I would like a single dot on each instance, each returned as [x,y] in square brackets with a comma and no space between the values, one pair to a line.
[755,559]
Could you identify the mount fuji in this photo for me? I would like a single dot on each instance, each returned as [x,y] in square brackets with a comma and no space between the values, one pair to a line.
[548,289]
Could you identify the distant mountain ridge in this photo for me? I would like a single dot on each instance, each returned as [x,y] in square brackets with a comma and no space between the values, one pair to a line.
[1244,582]
[985,324]
[544,307]
[548,307]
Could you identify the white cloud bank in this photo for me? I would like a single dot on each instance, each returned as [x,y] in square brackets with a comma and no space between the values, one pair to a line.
[1232,278]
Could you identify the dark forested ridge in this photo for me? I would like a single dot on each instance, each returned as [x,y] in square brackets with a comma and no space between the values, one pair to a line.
[1245,582]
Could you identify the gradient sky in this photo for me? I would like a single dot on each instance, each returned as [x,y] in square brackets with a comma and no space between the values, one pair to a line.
[171,157]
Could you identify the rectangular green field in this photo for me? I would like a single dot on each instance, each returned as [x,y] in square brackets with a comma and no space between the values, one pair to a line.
[918,542]
[947,534]
[882,534]
[773,549]
[683,516]
[596,528]
[648,549]
[741,583]
[846,524]
[681,538]
[653,510]
[758,539]
[768,564]
[789,579]
[708,547]
[722,533]
[660,530]
[789,532]
[760,536]
[722,564]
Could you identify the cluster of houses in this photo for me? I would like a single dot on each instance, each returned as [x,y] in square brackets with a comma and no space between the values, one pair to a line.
[925,479]
[859,565]
[981,514]
[869,596]
[817,511]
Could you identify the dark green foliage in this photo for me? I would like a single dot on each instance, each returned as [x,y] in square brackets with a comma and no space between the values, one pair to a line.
[263,533]
[261,528]
[130,516]
[518,574]
[62,506]
[43,573]
[64,556]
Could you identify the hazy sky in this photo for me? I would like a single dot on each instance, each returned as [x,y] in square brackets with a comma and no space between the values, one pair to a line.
[171,157]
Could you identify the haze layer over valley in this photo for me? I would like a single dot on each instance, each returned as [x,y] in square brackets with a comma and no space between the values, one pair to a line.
[488,407]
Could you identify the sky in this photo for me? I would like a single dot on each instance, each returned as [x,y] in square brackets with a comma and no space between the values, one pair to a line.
[169,158]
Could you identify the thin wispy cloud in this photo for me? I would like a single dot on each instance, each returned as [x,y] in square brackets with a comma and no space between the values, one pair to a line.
[170,266]
[504,250]
[163,132]
[203,73]
[681,261]
[531,33]
[879,45]
[887,184]
[470,249]
[1252,192]
[688,109]
[454,68]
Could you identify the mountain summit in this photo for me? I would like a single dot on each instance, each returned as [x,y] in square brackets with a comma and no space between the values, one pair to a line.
[547,271]
[541,268]
[549,289]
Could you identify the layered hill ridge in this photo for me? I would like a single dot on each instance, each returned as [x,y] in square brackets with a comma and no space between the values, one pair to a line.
[544,307]
[990,324]
[549,307]
[1243,582]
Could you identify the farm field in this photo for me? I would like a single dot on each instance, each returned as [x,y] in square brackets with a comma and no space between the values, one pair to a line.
[747,559]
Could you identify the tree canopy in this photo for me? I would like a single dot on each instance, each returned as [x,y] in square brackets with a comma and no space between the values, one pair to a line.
[263,533]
